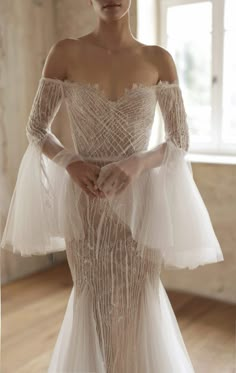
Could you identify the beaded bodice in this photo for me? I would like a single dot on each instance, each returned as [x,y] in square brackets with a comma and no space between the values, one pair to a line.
[102,128]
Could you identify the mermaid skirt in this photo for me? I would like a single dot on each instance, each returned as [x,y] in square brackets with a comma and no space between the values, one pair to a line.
[118,318]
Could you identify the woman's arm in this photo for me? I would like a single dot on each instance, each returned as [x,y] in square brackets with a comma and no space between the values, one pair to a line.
[172,107]
[46,104]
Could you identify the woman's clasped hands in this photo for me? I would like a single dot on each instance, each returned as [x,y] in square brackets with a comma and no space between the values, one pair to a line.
[109,180]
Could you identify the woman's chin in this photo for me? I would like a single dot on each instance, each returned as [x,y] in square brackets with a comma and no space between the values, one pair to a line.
[114,12]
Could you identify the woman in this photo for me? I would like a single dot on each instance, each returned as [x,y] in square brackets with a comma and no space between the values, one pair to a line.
[118,209]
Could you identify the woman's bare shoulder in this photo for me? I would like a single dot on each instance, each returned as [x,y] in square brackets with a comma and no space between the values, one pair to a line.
[59,57]
[165,63]
[55,65]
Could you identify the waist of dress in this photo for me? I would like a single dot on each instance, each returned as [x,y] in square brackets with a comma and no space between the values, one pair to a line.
[103,159]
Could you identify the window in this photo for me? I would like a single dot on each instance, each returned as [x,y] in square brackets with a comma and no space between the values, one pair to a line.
[229,82]
[201,37]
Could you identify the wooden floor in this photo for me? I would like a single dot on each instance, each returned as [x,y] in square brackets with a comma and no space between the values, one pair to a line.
[33,310]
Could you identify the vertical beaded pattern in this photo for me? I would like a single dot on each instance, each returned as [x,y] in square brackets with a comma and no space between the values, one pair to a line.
[171,103]
[46,104]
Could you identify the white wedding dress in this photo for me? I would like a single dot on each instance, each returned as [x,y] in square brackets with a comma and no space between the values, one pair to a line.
[118,317]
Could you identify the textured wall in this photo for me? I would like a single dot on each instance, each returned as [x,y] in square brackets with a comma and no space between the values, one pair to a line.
[27,31]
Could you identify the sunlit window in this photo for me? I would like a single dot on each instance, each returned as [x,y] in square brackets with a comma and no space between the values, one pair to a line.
[229,86]
[201,36]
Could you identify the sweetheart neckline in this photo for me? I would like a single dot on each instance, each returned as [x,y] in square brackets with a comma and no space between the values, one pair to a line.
[135,86]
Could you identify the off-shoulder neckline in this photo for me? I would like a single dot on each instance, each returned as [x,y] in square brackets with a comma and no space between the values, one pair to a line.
[134,85]
[96,86]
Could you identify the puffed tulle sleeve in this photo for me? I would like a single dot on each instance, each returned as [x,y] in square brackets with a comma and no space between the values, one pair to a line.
[163,206]
[33,224]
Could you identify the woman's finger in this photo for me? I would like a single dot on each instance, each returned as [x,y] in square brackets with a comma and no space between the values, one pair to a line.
[103,176]
[89,185]
[87,190]
[110,183]
[122,187]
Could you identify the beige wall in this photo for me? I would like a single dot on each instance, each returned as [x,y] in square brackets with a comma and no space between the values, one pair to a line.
[27,31]
[27,39]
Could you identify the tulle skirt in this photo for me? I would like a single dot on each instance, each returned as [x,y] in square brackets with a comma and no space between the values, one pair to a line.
[162,208]
[4,199]
[151,343]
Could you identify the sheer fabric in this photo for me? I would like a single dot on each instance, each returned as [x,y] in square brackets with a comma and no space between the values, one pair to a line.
[4,199]
[118,317]
[162,209]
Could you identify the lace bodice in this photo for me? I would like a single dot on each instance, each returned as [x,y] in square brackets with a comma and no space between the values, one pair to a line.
[102,128]
[150,209]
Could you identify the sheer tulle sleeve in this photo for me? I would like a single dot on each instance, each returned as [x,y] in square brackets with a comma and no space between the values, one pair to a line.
[187,232]
[163,206]
[33,223]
